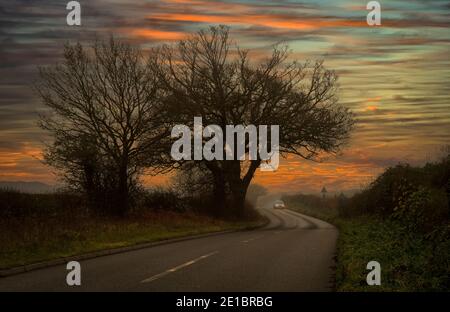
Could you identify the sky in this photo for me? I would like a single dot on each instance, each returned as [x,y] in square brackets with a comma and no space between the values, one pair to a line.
[394,77]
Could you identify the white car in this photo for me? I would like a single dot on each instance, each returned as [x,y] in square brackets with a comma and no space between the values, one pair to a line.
[279,205]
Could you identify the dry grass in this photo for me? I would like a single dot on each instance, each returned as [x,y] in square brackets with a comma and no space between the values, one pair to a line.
[30,240]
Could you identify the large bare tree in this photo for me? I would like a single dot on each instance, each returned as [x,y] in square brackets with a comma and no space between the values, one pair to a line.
[206,76]
[104,114]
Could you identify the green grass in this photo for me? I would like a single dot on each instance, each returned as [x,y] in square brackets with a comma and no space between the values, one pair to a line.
[409,261]
[30,241]
[320,212]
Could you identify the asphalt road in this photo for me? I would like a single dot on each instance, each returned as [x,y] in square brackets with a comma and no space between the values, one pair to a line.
[292,253]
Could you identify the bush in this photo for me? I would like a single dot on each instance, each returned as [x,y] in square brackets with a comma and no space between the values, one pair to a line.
[162,199]
[417,196]
[421,210]
[17,205]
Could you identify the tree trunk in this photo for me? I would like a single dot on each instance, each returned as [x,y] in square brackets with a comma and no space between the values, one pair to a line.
[122,205]
[89,185]
[220,196]
[228,181]
[238,194]
[239,186]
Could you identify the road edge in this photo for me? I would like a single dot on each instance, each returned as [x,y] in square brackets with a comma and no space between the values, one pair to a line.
[333,277]
[112,251]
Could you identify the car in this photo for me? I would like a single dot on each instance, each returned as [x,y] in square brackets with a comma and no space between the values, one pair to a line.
[278,205]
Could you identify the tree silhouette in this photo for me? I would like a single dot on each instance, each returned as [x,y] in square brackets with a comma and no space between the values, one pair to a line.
[203,77]
[104,115]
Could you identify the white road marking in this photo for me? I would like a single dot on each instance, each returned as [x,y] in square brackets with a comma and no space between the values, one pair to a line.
[251,239]
[174,269]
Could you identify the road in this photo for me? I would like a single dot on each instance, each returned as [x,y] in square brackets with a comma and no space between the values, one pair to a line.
[293,252]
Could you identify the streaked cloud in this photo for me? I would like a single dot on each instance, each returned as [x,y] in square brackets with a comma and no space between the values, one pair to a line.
[394,77]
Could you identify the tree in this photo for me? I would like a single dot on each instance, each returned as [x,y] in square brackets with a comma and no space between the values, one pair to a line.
[204,78]
[193,184]
[254,192]
[193,181]
[104,114]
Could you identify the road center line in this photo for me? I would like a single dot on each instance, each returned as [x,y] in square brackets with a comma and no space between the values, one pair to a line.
[251,239]
[181,266]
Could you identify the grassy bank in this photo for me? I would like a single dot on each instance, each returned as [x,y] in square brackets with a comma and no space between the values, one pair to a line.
[318,210]
[34,240]
[39,227]
[410,261]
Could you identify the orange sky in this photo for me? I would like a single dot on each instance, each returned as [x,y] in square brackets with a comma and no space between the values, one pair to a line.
[394,77]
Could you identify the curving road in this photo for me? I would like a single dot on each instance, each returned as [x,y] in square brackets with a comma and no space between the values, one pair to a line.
[293,252]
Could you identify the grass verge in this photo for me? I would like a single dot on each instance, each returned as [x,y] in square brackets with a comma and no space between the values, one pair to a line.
[409,261]
[26,242]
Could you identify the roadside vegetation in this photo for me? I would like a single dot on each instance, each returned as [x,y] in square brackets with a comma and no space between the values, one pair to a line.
[401,220]
[39,227]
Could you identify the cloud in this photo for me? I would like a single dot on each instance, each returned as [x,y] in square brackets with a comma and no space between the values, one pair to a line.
[394,77]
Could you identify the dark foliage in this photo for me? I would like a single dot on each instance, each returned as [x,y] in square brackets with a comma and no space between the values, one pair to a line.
[417,196]
[16,205]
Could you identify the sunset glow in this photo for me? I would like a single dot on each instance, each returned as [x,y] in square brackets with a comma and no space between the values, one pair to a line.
[394,77]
